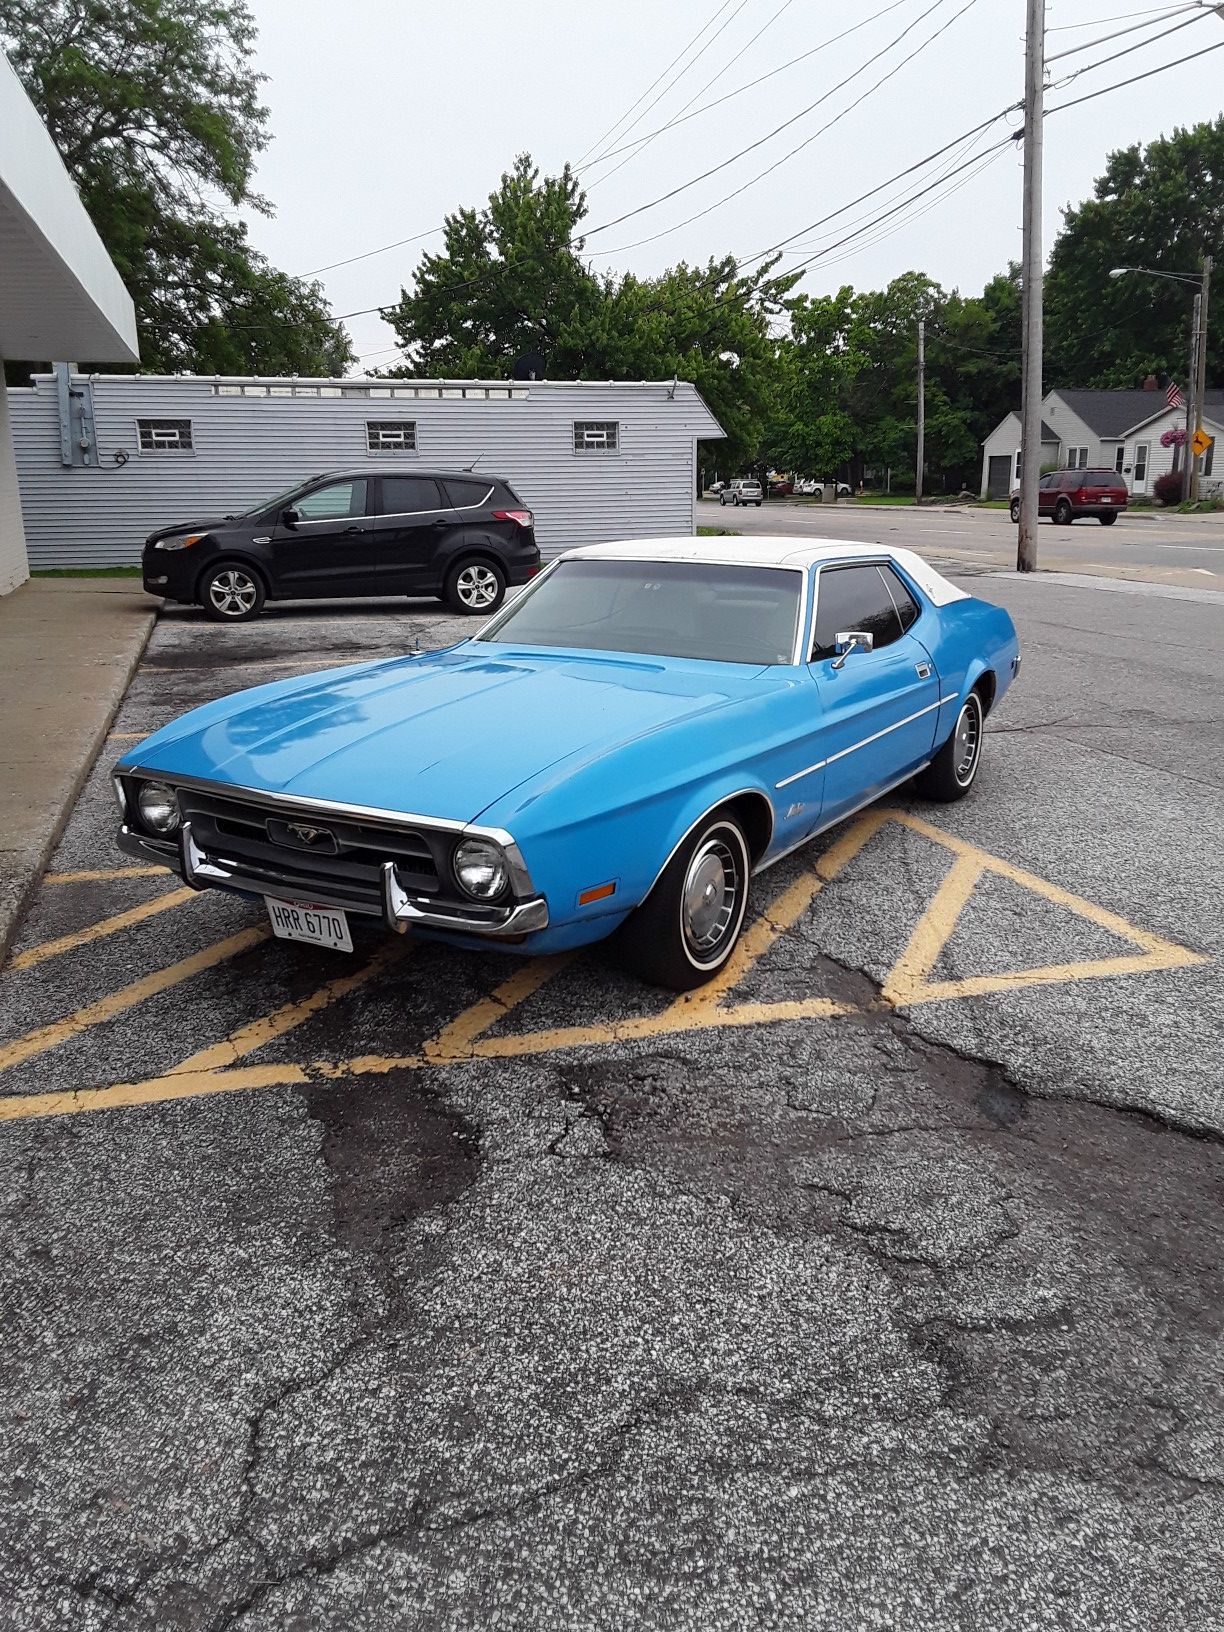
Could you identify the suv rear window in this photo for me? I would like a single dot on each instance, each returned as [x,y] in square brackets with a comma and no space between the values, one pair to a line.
[462,494]
[1101,478]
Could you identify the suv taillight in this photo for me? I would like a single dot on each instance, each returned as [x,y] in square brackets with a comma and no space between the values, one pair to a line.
[522,517]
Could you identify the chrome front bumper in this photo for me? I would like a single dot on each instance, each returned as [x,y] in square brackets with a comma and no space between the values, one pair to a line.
[399,911]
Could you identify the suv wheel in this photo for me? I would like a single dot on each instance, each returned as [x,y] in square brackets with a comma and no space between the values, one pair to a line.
[476,587]
[1062,513]
[1015,509]
[231,593]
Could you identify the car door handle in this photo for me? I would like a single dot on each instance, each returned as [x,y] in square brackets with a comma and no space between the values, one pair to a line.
[356,529]
[923,670]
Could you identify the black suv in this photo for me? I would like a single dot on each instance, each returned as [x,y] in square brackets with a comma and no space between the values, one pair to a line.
[459,535]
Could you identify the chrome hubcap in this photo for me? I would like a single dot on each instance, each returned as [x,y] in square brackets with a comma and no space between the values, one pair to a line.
[711,891]
[232,593]
[968,741]
[477,586]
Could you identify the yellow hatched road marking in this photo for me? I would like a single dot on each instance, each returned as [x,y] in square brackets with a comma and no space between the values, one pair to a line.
[102,875]
[106,1008]
[99,931]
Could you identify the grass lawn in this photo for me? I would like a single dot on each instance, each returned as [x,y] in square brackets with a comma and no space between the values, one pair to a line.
[86,572]
[717,532]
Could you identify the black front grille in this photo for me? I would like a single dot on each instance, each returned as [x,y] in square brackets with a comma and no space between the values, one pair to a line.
[344,859]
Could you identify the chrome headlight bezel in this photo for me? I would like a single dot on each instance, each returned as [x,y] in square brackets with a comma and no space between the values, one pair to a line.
[156,792]
[487,866]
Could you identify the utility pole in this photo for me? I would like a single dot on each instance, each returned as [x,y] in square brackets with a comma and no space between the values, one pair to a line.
[921,410]
[1200,372]
[1031,312]
[1191,399]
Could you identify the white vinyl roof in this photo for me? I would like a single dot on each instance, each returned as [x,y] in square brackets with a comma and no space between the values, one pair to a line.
[759,551]
[60,295]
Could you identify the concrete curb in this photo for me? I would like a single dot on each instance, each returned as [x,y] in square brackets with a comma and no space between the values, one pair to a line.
[14,905]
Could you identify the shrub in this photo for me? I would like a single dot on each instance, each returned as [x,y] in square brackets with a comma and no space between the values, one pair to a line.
[1168,488]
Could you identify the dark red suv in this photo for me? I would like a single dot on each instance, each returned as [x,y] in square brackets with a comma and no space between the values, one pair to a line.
[1065,494]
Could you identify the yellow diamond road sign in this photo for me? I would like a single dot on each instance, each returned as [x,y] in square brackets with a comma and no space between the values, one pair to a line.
[1200,442]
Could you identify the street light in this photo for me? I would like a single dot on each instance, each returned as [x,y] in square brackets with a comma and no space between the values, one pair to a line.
[1198,355]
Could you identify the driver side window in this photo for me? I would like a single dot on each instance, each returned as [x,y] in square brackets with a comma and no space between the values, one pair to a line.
[853,598]
[333,502]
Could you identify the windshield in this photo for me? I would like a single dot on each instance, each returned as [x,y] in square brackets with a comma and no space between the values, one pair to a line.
[719,613]
[278,498]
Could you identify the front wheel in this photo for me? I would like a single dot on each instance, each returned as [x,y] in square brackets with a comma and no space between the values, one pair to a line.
[950,774]
[1062,513]
[687,927]
[735,501]
[1109,517]
[1015,509]
[475,587]
[231,593]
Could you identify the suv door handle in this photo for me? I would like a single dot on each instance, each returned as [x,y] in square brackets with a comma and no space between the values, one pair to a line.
[356,529]
[923,670]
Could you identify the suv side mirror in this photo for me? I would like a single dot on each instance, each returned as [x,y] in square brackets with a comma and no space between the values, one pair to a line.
[845,642]
[290,517]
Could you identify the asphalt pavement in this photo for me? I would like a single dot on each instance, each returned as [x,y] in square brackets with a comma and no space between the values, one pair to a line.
[435,1289]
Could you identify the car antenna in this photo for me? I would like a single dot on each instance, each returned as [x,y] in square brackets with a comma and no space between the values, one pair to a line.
[474,462]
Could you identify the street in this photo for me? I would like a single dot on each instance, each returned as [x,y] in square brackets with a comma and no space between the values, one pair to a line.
[879,1284]
[1146,546]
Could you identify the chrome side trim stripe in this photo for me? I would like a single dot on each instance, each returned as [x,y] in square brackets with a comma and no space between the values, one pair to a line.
[834,821]
[854,747]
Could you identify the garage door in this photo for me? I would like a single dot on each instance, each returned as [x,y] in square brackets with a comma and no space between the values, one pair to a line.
[998,480]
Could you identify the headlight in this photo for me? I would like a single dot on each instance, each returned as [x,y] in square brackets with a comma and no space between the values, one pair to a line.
[158,806]
[480,867]
[178,541]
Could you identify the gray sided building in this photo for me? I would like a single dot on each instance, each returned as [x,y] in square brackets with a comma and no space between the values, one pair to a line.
[103,459]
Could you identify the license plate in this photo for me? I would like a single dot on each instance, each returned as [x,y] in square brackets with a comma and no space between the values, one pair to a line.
[306,921]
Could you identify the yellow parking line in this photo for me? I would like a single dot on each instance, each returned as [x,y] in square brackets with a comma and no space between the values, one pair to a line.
[454,1042]
[106,1008]
[126,736]
[102,875]
[184,1085]
[100,930]
[934,929]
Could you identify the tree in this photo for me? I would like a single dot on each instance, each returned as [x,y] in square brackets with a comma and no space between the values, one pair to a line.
[812,429]
[509,281]
[1160,207]
[156,114]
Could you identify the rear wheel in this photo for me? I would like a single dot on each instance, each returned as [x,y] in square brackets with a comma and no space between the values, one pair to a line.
[951,773]
[1108,518]
[1015,509]
[475,587]
[687,927]
[1062,513]
[231,593]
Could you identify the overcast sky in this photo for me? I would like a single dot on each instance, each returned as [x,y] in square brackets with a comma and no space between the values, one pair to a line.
[387,114]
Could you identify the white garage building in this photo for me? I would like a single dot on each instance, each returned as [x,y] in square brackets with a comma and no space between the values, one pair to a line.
[60,296]
[103,459]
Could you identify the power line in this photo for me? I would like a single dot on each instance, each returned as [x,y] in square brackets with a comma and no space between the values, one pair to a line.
[674,82]
[1140,45]
[1119,17]
[629,214]
[1135,78]
[682,118]
[594,147]
[365,256]
[644,142]
[1104,39]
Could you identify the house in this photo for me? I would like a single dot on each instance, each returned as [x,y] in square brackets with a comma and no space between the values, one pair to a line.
[103,459]
[1116,430]
[59,293]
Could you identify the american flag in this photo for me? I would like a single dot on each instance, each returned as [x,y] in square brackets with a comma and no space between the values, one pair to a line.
[1173,396]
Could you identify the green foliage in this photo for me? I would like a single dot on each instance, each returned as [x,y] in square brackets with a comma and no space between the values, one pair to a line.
[1168,487]
[509,281]
[156,113]
[1160,207]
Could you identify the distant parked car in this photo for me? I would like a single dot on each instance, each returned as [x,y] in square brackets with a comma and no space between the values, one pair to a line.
[1066,494]
[716,487]
[458,535]
[743,490]
[781,488]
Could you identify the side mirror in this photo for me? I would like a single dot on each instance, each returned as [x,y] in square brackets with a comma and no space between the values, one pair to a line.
[845,641]
[290,517]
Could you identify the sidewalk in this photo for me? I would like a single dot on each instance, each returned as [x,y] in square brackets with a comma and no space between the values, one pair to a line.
[68,647]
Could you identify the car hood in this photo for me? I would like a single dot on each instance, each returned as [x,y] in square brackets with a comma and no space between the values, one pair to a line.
[210,524]
[445,735]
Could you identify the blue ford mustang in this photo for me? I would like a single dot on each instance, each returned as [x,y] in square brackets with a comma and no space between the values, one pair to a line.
[616,753]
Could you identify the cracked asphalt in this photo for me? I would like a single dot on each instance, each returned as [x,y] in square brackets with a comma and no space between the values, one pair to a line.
[899,1315]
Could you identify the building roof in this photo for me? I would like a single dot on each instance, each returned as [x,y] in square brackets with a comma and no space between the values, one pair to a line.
[771,552]
[1048,433]
[60,295]
[1112,414]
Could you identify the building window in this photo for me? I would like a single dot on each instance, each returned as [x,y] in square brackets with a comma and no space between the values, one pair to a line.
[596,435]
[1019,464]
[391,435]
[164,435]
[1077,458]
[1120,458]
